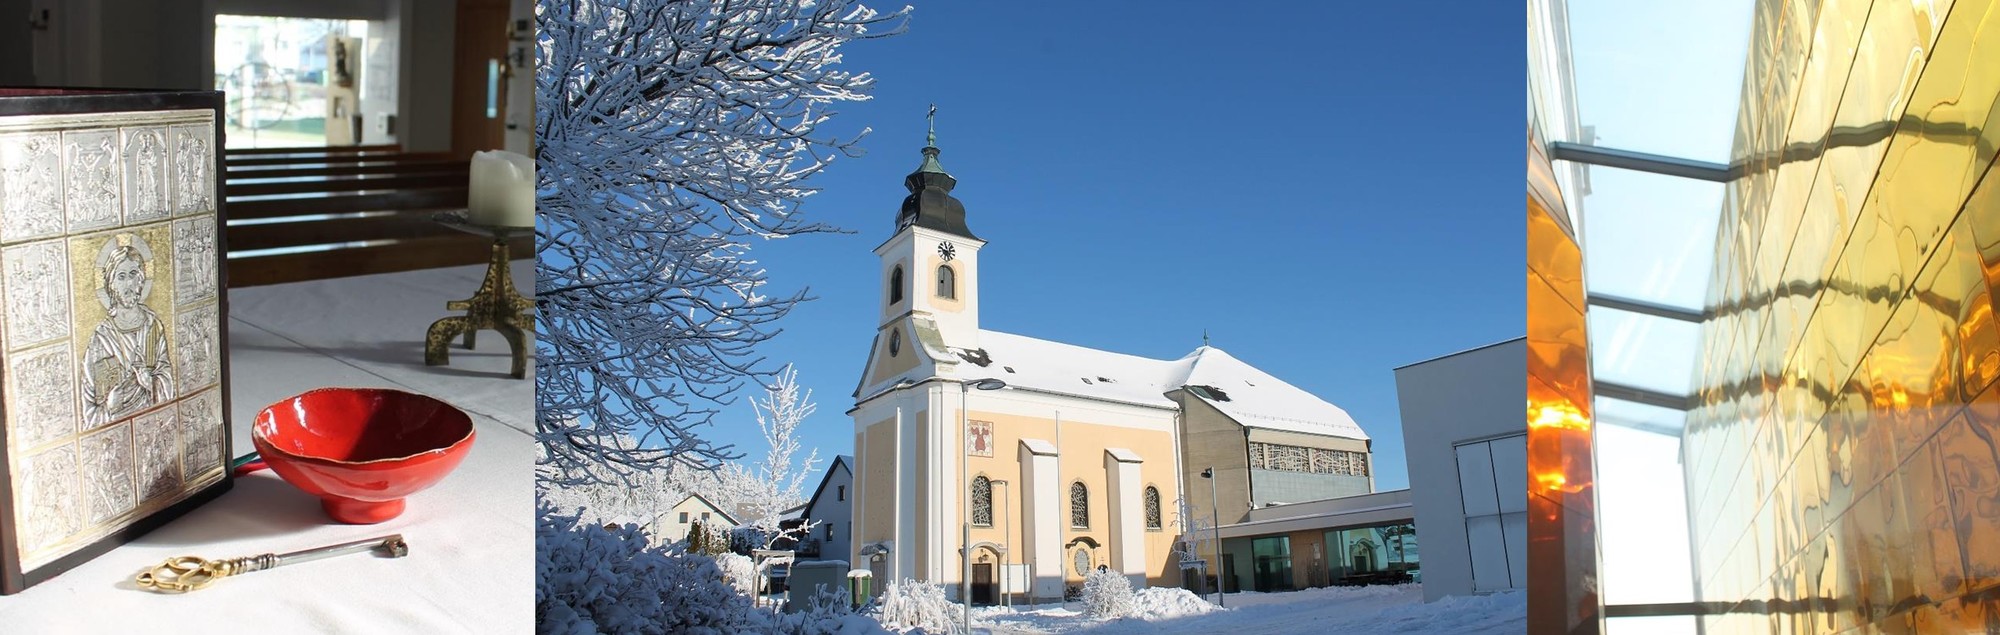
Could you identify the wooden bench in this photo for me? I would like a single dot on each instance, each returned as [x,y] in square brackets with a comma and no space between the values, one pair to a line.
[308,213]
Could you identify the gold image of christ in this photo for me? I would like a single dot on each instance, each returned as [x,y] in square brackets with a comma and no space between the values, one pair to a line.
[126,367]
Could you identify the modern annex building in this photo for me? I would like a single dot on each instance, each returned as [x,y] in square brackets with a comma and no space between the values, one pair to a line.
[1469,460]
[1078,461]
[1764,245]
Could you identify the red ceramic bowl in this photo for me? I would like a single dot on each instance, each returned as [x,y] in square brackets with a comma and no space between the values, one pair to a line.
[361,450]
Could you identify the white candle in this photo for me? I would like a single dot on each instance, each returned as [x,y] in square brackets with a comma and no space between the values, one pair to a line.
[502,191]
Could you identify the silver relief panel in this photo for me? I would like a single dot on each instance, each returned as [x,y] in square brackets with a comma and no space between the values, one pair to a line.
[146,181]
[193,169]
[109,349]
[106,458]
[43,382]
[198,348]
[194,259]
[48,507]
[92,182]
[36,276]
[31,204]
[202,431]
[159,453]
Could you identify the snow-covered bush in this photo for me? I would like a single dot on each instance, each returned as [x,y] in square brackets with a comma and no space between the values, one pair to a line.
[741,572]
[1107,594]
[593,579]
[1165,603]
[826,613]
[916,604]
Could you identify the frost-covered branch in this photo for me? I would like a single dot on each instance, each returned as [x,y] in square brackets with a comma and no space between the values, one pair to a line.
[670,135]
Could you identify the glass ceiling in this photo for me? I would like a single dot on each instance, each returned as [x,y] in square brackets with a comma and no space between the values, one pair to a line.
[1660,78]
[1650,237]
[1643,351]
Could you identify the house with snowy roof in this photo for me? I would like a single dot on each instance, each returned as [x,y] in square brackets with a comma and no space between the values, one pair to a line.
[691,510]
[1059,458]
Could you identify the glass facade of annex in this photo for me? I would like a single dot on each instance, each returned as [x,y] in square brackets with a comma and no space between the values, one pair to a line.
[1787,215]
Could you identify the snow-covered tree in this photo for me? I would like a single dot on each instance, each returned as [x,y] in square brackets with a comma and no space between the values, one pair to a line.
[641,497]
[669,136]
[778,483]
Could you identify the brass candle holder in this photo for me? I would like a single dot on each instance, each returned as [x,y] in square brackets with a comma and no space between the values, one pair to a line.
[495,306]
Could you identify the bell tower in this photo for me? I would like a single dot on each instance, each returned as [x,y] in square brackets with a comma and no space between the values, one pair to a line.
[930,267]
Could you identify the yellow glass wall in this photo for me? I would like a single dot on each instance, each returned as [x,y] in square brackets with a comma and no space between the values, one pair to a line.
[1843,463]
[1562,535]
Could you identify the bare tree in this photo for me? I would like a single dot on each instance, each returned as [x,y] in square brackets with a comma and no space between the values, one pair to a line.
[670,134]
[1195,537]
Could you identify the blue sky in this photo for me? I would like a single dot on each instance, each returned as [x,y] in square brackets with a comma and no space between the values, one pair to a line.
[1330,191]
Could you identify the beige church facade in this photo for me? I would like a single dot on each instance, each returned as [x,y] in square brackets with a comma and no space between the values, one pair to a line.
[1075,463]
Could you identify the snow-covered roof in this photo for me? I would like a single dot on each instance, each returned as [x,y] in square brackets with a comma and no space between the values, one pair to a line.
[1250,396]
[1256,399]
[1039,446]
[840,462]
[697,497]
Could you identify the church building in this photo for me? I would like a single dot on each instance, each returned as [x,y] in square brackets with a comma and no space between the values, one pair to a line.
[1069,458]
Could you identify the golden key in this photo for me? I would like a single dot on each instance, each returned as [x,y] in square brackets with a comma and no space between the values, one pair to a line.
[189,573]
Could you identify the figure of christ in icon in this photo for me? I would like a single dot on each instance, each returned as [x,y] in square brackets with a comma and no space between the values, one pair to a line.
[125,367]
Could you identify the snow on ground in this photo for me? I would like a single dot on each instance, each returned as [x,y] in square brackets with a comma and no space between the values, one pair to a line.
[1373,610]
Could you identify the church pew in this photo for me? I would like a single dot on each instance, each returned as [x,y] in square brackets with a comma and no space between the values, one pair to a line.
[229,153]
[343,157]
[301,214]
[336,168]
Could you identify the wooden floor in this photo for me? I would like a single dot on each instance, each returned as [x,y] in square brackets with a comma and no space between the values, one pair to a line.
[308,213]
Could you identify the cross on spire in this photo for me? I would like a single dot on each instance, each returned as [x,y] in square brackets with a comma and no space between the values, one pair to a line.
[1204,337]
[931,139]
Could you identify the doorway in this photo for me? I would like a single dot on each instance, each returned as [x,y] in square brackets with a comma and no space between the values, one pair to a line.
[479,77]
[984,590]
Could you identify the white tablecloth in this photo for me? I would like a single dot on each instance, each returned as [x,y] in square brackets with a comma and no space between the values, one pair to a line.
[470,568]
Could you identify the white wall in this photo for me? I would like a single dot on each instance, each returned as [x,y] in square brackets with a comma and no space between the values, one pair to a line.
[831,509]
[1444,402]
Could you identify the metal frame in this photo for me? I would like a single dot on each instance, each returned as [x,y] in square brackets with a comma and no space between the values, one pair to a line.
[1641,161]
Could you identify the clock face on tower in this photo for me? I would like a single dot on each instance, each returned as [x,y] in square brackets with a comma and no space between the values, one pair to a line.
[945,249]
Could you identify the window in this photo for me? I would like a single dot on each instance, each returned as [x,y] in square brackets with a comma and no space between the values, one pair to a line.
[704,515]
[842,495]
[896,285]
[895,343]
[1286,458]
[947,283]
[829,532]
[1079,506]
[684,518]
[1152,507]
[982,502]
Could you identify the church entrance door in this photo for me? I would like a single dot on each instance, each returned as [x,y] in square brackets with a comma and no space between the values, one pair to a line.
[984,591]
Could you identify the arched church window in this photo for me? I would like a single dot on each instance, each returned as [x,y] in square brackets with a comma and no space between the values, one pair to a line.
[982,502]
[896,285]
[947,283]
[1152,507]
[1079,506]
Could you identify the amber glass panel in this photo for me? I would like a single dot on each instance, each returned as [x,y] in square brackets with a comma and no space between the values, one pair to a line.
[1562,539]
[1843,461]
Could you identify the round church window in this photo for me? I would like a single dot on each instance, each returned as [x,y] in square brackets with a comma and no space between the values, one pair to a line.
[1083,563]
